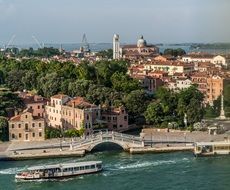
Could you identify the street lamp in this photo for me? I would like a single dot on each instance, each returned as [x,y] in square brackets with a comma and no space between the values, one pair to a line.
[60,142]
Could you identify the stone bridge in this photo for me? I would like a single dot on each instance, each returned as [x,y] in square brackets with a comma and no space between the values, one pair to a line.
[121,139]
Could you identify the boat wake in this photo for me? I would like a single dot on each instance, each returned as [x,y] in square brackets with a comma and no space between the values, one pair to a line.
[144,164]
[11,171]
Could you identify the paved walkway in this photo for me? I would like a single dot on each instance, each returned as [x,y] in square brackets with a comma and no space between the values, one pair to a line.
[196,136]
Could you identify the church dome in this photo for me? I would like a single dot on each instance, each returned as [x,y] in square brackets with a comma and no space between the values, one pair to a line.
[141,42]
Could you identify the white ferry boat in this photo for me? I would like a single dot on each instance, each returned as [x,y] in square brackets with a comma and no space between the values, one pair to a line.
[212,148]
[60,170]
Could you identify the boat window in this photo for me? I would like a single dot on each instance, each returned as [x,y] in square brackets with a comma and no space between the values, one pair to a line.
[92,166]
[76,168]
[87,167]
[65,169]
[82,168]
[99,166]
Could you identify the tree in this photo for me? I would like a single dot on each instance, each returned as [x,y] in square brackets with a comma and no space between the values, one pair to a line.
[86,71]
[1,77]
[174,52]
[78,88]
[136,102]
[123,83]
[49,85]
[9,100]
[4,130]
[190,102]
[14,80]
[106,53]
[30,80]
[154,113]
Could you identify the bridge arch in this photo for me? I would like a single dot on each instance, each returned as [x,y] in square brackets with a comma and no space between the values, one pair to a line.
[122,145]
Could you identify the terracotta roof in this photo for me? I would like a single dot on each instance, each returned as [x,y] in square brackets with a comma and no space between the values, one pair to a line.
[80,102]
[18,117]
[59,96]
[200,56]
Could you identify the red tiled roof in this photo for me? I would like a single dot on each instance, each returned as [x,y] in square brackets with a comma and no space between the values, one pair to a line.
[59,96]
[80,102]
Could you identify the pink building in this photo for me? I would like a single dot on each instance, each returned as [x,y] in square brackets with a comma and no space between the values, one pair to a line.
[35,102]
[116,119]
[78,113]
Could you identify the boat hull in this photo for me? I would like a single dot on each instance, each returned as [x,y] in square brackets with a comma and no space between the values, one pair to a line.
[22,178]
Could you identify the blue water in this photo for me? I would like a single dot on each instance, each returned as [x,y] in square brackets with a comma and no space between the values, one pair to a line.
[176,171]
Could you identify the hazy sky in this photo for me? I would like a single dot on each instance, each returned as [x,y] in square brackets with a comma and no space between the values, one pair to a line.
[166,21]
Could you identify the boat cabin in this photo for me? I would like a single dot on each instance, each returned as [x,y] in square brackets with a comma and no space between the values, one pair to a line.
[211,148]
[60,170]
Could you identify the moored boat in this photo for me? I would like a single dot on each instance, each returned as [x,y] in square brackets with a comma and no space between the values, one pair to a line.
[212,148]
[60,170]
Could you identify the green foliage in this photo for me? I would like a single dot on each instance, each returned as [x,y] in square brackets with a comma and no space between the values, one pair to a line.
[106,54]
[51,132]
[136,102]
[74,132]
[213,111]
[50,84]
[172,107]
[123,83]
[4,130]
[41,52]
[174,52]
[9,100]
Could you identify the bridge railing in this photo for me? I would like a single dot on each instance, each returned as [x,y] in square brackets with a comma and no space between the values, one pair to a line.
[109,135]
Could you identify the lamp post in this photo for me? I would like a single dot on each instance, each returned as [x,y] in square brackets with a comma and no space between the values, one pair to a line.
[60,142]
[151,139]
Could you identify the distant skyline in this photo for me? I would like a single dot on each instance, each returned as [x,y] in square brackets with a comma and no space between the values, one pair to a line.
[162,21]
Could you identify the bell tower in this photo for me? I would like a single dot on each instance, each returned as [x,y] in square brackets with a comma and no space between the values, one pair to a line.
[116,47]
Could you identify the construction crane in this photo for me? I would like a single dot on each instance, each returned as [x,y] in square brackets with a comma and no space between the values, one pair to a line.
[10,42]
[40,45]
[85,44]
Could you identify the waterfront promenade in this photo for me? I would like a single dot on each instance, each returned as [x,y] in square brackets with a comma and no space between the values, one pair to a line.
[148,141]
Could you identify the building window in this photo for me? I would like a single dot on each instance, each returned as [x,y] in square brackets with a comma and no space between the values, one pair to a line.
[114,118]
[40,134]
[121,126]
[125,118]
[19,125]
[33,124]
[33,134]
[114,126]
[26,126]
[39,114]
[87,117]
[41,124]
[13,136]
[38,107]
[26,116]
[20,135]
[12,126]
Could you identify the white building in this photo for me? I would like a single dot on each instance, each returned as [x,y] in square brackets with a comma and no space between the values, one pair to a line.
[116,47]
[179,84]
[170,67]
[217,60]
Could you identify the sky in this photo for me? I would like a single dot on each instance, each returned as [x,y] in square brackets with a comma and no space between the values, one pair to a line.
[159,21]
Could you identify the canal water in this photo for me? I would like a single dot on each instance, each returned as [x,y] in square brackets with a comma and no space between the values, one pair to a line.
[179,171]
